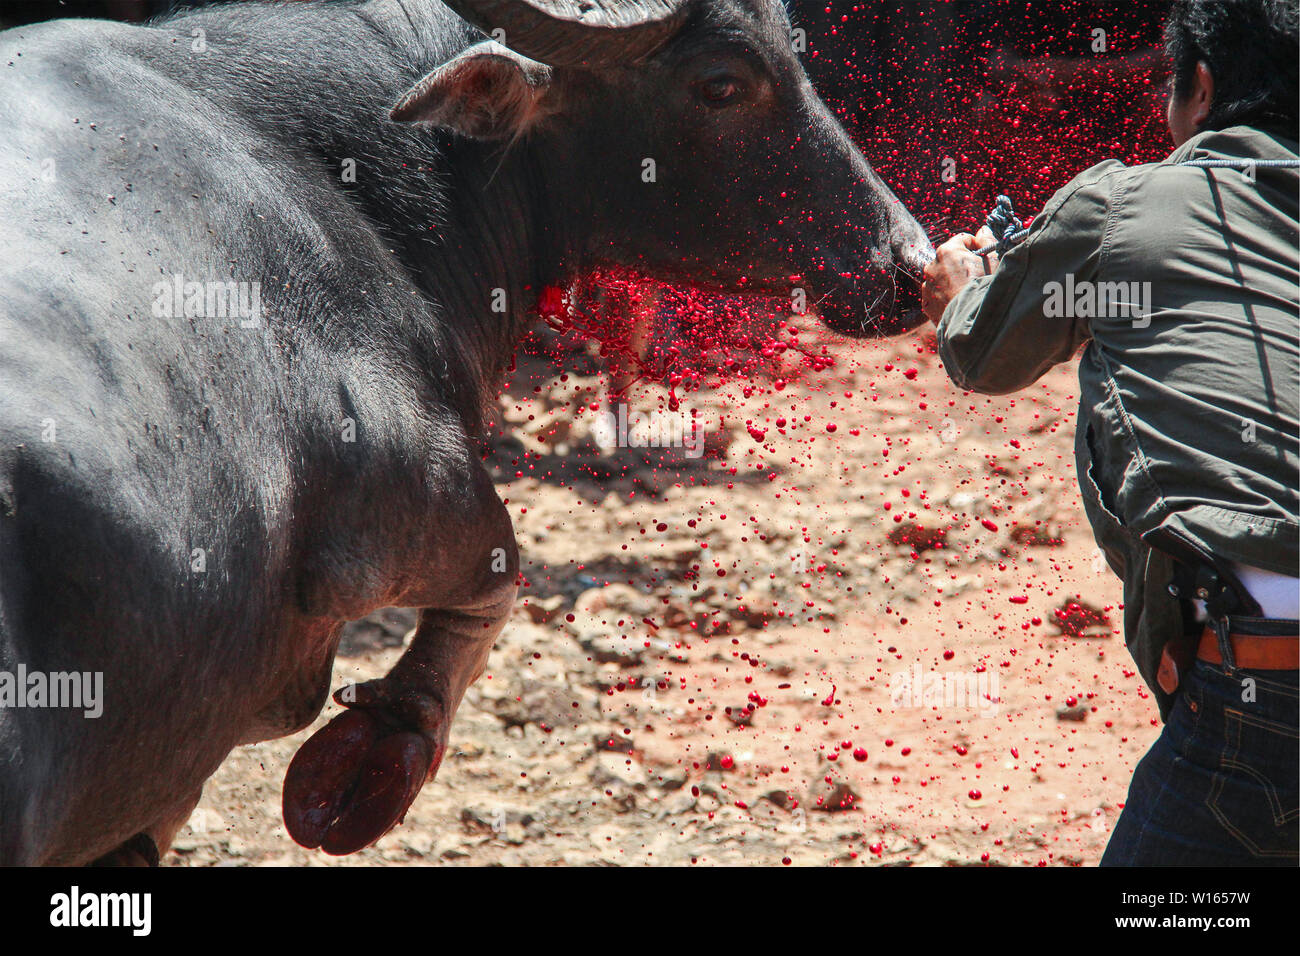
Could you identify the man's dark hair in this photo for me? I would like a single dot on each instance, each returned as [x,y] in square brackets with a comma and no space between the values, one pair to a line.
[1251,48]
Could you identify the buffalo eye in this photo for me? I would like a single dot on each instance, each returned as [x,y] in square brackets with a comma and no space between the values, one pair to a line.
[719,90]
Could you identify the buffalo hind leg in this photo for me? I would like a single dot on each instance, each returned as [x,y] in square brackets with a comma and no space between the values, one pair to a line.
[354,779]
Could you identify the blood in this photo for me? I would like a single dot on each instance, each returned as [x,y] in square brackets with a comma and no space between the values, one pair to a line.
[682,337]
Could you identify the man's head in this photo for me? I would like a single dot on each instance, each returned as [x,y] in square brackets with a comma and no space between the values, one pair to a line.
[1233,64]
[683,139]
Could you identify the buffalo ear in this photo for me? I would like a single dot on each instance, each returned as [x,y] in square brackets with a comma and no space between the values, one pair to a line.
[487,92]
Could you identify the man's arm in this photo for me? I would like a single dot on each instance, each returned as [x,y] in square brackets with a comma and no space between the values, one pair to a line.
[1000,332]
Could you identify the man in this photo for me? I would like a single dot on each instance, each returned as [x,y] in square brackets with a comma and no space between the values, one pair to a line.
[1181,278]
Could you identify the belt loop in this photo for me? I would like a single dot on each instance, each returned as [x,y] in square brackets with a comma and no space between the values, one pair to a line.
[1223,631]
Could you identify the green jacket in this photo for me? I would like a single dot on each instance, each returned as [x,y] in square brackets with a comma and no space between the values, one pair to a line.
[1182,282]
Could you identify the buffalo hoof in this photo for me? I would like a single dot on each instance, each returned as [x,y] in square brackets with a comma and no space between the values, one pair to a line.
[353,780]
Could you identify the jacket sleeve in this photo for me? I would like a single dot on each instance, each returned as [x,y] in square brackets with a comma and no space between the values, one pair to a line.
[1004,331]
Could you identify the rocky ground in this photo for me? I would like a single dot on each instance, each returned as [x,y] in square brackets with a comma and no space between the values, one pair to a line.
[867,626]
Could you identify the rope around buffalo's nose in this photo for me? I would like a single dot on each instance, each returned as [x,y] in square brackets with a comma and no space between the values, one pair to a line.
[1002,221]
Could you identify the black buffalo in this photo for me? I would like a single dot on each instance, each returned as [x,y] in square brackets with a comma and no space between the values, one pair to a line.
[263,266]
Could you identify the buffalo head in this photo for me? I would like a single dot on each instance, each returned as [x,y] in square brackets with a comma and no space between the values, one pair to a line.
[683,138]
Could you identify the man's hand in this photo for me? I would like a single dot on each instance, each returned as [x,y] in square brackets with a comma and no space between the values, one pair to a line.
[954,265]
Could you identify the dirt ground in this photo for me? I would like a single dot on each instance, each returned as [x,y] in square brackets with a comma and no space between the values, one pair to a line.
[868,626]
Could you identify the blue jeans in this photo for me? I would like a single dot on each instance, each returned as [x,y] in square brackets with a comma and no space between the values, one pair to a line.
[1219,786]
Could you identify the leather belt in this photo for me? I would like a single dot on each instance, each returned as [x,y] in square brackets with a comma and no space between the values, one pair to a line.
[1249,651]
[1253,653]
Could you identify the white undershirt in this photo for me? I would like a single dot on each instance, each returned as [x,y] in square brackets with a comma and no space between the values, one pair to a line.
[1277,594]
